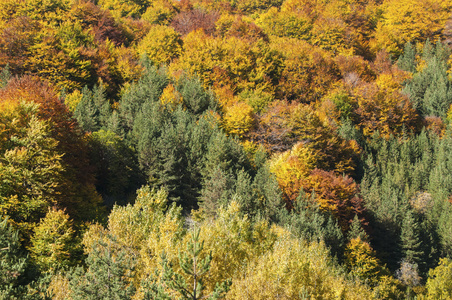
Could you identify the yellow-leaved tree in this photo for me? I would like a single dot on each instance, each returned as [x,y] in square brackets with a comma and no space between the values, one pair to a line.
[412,21]
[295,269]
[161,44]
[238,119]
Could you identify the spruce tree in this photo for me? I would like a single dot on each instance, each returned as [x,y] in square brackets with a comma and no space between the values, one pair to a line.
[5,76]
[93,111]
[146,91]
[13,261]
[86,112]
[357,231]
[194,96]
[307,221]
[407,61]
[411,243]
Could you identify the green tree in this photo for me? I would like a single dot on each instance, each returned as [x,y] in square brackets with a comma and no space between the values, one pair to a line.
[147,89]
[357,231]
[13,261]
[410,239]
[93,111]
[430,88]
[118,175]
[108,275]
[5,76]
[308,222]
[194,267]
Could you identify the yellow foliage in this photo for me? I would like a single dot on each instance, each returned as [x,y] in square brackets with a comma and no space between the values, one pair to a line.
[294,269]
[292,168]
[361,260]
[234,242]
[160,11]
[148,228]
[201,54]
[52,241]
[308,73]
[439,282]
[238,119]
[126,64]
[161,44]
[385,109]
[410,21]
[59,287]
[72,100]
[125,8]
[230,61]
[288,23]
[331,34]
[449,114]
[171,98]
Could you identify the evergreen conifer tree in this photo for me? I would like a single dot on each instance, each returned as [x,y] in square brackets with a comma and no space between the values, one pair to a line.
[357,231]
[5,76]
[410,239]
[13,261]
[194,267]
[108,276]
[407,61]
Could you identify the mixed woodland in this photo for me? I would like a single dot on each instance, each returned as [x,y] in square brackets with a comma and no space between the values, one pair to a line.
[223,149]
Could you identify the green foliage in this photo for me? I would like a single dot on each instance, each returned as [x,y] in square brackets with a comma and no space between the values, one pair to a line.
[147,90]
[117,171]
[308,222]
[13,260]
[310,81]
[108,275]
[195,268]
[394,178]
[195,97]
[411,243]
[430,88]
[356,231]
[93,110]
[5,76]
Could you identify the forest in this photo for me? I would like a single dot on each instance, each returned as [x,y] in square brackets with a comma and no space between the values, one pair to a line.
[223,149]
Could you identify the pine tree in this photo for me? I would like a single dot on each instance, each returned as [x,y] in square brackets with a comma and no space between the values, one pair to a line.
[86,112]
[216,191]
[194,268]
[147,90]
[108,276]
[118,175]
